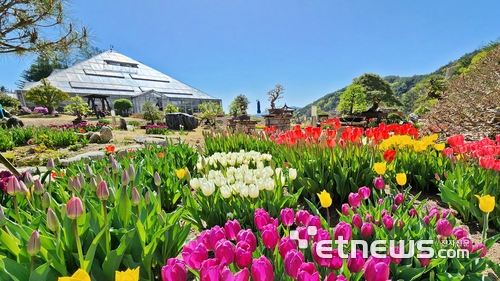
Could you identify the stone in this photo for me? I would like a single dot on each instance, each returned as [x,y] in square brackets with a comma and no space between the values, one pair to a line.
[95,138]
[88,135]
[174,120]
[123,124]
[106,134]
[14,121]
[6,113]
[94,155]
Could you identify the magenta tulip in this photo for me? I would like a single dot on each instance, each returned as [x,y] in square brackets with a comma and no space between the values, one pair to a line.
[261,218]
[459,232]
[369,217]
[394,253]
[357,221]
[446,213]
[322,234]
[232,228]
[293,260]
[342,278]
[367,229]
[194,253]
[376,270]
[343,230]
[224,252]
[388,222]
[355,264]
[314,221]
[331,277]
[270,236]
[398,199]
[204,237]
[379,183]
[210,270]
[336,262]
[286,245]
[424,259]
[479,247]
[249,237]
[345,209]
[242,275]
[354,200]
[307,272]
[175,270]
[319,260]
[444,227]
[413,213]
[364,192]
[74,208]
[216,234]
[302,217]
[465,243]
[262,270]
[426,220]
[287,217]
[243,254]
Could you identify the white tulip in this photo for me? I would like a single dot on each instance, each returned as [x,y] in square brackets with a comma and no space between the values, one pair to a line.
[260,165]
[253,191]
[244,191]
[292,173]
[261,184]
[199,167]
[195,183]
[207,188]
[248,178]
[269,184]
[225,191]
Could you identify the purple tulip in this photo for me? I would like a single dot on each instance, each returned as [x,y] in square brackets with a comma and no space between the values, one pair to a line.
[376,270]
[261,218]
[413,213]
[314,221]
[479,247]
[426,220]
[355,264]
[322,235]
[379,183]
[216,233]
[399,199]
[388,222]
[465,243]
[307,271]
[249,237]
[459,232]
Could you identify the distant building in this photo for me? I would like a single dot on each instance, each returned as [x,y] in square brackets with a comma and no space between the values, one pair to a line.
[110,76]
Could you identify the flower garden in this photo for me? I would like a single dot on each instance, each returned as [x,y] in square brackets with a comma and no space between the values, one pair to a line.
[259,207]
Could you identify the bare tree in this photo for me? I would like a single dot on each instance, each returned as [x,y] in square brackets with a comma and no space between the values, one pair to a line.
[28,26]
[276,94]
[471,102]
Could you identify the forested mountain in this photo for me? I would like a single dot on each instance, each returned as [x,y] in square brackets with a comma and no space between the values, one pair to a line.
[417,93]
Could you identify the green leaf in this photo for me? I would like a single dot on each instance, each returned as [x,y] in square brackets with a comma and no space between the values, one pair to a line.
[40,273]
[9,242]
[89,256]
[16,270]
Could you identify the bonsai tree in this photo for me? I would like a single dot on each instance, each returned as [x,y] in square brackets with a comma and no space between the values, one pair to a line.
[151,113]
[78,106]
[353,99]
[276,94]
[46,95]
[123,105]
[239,105]
[170,108]
[210,110]
[377,91]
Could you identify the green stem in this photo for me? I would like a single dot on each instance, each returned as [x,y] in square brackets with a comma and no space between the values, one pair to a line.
[78,244]
[328,216]
[485,227]
[32,264]
[106,224]
[16,210]
[159,198]
[124,200]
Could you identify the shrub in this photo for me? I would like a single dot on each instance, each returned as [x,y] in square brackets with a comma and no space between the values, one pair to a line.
[104,121]
[151,113]
[77,106]
[46,95]
[134,123]
[8,101]
[123,105]
[171,108]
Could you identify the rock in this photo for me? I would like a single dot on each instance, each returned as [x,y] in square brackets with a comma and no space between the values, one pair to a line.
[174,120]
[123,124]
[14,121]
[94,155]
[88,135]
[106,134]
[95,138]
[6,113]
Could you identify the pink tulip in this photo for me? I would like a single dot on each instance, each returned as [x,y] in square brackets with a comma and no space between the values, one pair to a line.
[446,213]
[13,187]
[342,229]
[331,277]
[396,251]
[336,262]
[444,227]
[394,208]
[398,199]
[369,218]
[465,243]
[379,183]
[293,260]
[434,212]
[319,260]
[224,252]
[74,208]
[249,237]
[286,245]
[345,209]
[243,254]
[175,270]
[210,270]
[303,234]
[261,218]
[194,253]
[355,264]
[426,220]
[364,192]
[302,217]
[479,247]
[314,221]
[413,213]
[307,272]
[270,236]
[459,232]
[354,200]
[357,221]
[384,213]
[388,222]
[262,270]
[322,235]
[216,233]
[367,229]
[242,275]
[342,278]
[380,201]
[425,259]
[204,237]
[232,228]
[102,190]
[287,217]
[376,270]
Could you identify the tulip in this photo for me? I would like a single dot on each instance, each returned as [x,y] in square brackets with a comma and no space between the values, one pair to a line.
[331,277]
[248,237]
[224,252]
[292,173]
[354,200]
[102,191]
[336,262]
[46,200]
[79,275]
[381,201]
[375,270]
[253,191]
[388,222]
[368,217]
[465,243]
[424,259]
[128,275]
[174,270]
[23,190]
[50,164]
[216,234]
[345,209]
[76,186]
[364,192]
[426,220]
[74,208]
[28,179]
[13,187]
[379,183]
[389,155]
[131,172]
[343,230]
[357,221]
[262,270]
[136,197]
[444,227]
[324,262]
[38,190]
[195,183]
[286,245]
[314,221]
[261,218]
[355,264]
[459,232]
[147,197]
[243,254]
[380,167]
[367,229]
[34,244]
[325,199]
[479,247]
[394,252]
[293,260]
[413,213]
[125,177]
[115,166]
[52,221]
[287,216]
[93,184]
[207,188]
[242,275]
[446,213]
[307,271]
[398,199]
[157,179]
[232,228]
[401,178]
[270,236]
[88,171]
[194,254]
[181,173]
[302,217]
[486,203]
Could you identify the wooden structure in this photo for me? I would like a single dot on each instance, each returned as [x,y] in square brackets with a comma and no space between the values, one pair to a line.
[242,123]
[279,117]
[105,107]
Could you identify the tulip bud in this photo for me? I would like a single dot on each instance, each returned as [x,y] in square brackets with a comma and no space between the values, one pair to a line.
[13,187]
[99,178]
[93,184]
[379,183]
[63,211]
[52,221]
[398,199]
[424,259]
[444,227]
[292,173]
[23,190]
[77,186]
[103,191]
[157,179]
[82,179]
[3,219]
[345,209]
[111,159]
[71,184]
[125,177]
[136,197]
[46,200]
[38,187]
[74,208]
[106,171]
[131,172]
[28,179]
[34,244]
[367,229]
[147,197]
[115,167]
[357,221]
[88,171]
[161,218]
[50,164]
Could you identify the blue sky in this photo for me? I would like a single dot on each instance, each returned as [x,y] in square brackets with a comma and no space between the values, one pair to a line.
[312,47]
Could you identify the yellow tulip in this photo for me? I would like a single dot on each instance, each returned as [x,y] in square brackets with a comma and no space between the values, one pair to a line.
[486,203]
[401,178]
[181,173]
[128,275]
[380,167]
[439,146]
[80,275]
[325,199]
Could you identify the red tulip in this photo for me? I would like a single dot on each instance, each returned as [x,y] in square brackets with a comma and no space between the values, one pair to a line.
[174,270]
[232,228]
[287,217]
[74,208]
[243,254]
[456,140]
[389,155]
[293,260]
[262,270]
[487,162]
